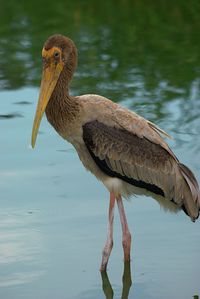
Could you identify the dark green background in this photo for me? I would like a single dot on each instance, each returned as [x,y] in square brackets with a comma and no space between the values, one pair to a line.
[157,40]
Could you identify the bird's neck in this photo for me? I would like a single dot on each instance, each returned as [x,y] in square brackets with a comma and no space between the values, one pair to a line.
[62,109]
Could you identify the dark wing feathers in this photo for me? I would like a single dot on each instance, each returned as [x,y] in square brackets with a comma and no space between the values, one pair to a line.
[119,144]
[126,155]
[143,163]
[106,166]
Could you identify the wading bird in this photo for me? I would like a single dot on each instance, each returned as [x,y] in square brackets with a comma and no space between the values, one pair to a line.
[123,150]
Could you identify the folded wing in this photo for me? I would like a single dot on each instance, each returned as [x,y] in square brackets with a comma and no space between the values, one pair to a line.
[143,163]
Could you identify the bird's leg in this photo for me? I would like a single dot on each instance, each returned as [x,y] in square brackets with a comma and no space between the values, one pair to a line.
[126,236]
[109,242]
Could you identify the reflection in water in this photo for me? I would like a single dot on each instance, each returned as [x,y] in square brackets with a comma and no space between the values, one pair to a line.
[20,246]
[23,103]
[126,281]
[126,284]
[19,278]
[10,115]
[147,56]
[106,286]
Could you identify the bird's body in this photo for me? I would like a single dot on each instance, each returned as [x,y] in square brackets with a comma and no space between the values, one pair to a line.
[136,158]
[123,150]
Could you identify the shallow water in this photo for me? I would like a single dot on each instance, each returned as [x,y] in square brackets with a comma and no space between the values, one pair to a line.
[53,214]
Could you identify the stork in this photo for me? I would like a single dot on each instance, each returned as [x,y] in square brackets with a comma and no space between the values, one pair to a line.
[126,152]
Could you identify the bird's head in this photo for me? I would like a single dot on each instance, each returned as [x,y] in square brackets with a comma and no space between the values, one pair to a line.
[59,61]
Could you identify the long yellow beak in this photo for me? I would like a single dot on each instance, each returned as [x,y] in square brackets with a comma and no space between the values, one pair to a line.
[50,77]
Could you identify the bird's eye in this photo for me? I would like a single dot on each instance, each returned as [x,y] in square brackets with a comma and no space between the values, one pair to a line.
[56,55]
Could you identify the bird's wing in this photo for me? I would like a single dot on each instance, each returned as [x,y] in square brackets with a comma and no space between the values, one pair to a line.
[125,145]
[141,127]
[137,161]
[120,117]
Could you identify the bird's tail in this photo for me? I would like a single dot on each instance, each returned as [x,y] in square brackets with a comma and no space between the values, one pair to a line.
[191,201]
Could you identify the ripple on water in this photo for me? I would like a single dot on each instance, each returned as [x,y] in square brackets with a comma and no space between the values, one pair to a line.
[22,103]
[10,116]
[20,248]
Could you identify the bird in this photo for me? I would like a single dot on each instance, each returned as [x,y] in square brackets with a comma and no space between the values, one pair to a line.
[123,150]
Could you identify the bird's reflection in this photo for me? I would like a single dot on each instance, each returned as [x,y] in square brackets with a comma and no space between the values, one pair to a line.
[126,281]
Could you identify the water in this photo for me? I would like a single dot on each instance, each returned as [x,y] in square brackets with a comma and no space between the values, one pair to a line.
[53,214]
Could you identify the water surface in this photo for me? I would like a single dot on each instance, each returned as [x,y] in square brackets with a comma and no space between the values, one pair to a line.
[53,214]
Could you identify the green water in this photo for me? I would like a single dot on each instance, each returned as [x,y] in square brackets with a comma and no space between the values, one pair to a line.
[53,214]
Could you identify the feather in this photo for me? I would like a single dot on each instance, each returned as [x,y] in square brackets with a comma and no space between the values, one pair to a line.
[194,188]
[159,130]
[142,163]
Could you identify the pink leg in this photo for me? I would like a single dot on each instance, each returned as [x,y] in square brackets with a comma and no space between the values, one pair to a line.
[109,242]
[126,236]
